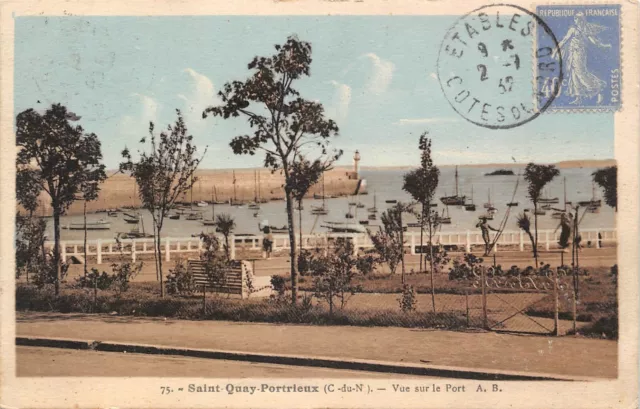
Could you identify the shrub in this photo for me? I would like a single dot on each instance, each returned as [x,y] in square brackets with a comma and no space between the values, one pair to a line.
[465,269]
[604,327]
[180,281]
[408,300]
[279,285]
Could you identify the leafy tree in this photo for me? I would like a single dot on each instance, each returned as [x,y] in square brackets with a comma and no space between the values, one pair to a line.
[225,224]
[28,188]
[215,265]
[124,270]
[334,273]
[537,176]
[389,241]
[96,281]
[29,242]
[304,174]
[524,223]
[58,157]
[283,123]
[607,179]
[163,174]
[409,300]
[421,184]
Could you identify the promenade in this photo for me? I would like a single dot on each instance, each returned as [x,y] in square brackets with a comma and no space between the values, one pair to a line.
[481,351]
[589,257]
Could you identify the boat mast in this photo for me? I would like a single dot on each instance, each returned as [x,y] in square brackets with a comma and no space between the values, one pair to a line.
[456,181]
[213,205]
[235,199]
[259,195]
[255,186]
[565,193]
[323,196]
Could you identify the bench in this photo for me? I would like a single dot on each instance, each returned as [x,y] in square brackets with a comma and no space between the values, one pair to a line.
[233,282]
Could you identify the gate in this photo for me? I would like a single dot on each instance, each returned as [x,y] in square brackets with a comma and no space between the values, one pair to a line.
[526,304]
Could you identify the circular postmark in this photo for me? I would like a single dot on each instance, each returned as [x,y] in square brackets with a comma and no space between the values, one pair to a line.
[490,67]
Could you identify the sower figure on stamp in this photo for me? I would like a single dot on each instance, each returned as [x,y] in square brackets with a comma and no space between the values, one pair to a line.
[484,227]
[582,83]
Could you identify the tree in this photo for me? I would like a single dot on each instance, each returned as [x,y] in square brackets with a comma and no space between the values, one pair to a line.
[389,241]
[607,179]
[421,184]
[334,273]
[304,174]
[524,223]
[225,224]
[29,243]
[283,123]
[163,174]
[537,176]
[215,264]
[58,157]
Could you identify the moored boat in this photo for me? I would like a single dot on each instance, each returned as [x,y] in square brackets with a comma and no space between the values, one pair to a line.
[454,200]
[97,225]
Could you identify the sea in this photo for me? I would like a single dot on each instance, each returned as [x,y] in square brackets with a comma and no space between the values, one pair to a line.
[383,185]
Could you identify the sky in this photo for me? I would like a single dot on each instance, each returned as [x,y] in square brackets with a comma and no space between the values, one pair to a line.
[375,76]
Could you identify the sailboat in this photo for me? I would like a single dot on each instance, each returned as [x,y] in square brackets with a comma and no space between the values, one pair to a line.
[211,222]
[454,200]
[135,233]
[444,219]
[548,200]
[255,205]
[373,209]
[488,204]
[349,215]
[559,213]
[470,207]
[235,201]
[322,210]
[132,218]
[593,203]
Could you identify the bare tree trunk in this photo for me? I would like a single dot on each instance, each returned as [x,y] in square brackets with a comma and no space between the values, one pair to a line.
[162,289]
[300,222]
[85,237]
[56,248]
[433,290]
[292,246]
[535,223]
[422,233]
[402,246]
[156,246]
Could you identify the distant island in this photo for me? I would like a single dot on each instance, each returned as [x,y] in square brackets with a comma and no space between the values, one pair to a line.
[500,172]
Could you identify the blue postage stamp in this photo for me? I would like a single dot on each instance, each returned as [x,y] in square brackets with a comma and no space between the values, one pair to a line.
[588,41]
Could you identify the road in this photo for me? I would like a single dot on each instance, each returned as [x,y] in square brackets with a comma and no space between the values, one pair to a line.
[35,361]
[482,350]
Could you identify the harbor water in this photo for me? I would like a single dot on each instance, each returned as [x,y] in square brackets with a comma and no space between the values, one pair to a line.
[385,185]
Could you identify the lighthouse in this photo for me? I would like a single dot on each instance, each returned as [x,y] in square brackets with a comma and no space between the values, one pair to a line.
[356,165]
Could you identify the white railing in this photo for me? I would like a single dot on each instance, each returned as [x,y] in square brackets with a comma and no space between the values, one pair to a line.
[176,245]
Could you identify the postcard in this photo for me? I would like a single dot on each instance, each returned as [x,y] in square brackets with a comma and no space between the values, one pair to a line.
[353,203]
